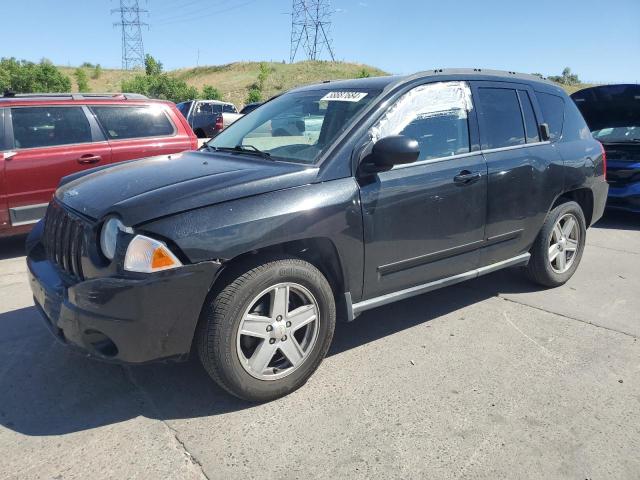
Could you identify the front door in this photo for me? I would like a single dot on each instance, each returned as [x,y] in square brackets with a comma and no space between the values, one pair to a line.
[425,221]
[49,142]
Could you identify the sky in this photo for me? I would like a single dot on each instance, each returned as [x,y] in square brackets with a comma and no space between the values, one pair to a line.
[599,40]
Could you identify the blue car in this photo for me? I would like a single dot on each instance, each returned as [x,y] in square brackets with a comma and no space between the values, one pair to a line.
[613,115]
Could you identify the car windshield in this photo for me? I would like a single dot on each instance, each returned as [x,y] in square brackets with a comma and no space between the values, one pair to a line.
[296,127]
[618,134]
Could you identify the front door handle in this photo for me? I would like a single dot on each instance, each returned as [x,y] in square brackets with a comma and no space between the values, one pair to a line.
[89,159]
[466,177]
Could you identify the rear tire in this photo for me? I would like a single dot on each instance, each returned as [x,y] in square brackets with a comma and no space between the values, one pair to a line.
[264,334]
[558,249]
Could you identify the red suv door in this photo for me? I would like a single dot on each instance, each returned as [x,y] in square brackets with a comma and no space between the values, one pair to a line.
[138,131]
[49,142]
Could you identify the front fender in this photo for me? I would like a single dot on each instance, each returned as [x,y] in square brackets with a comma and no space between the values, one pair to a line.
[224,231]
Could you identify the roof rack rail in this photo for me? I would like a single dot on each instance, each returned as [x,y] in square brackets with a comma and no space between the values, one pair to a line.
[75,96]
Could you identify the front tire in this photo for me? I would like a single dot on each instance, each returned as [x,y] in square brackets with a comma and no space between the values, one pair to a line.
[264,334]
[558,249]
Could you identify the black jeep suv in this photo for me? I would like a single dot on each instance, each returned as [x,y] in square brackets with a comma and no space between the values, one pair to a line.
[247,251]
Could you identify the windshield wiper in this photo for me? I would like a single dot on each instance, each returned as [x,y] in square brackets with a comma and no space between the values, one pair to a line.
[252,149]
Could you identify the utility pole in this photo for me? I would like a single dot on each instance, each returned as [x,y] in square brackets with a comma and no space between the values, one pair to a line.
[310,25]
[131,24]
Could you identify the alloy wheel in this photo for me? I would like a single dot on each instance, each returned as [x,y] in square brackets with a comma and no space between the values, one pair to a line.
[564,243]
[278,331]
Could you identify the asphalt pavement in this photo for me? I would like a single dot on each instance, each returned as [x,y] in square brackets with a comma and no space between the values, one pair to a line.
[494,378]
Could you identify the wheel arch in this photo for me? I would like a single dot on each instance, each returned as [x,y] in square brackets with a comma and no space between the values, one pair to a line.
[583,197]
[320,252]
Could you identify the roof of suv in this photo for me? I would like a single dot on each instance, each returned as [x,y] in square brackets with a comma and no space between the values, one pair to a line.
[81,98]
[470,73]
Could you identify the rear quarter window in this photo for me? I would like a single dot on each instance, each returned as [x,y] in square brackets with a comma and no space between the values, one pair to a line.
[133,121]
[552,108]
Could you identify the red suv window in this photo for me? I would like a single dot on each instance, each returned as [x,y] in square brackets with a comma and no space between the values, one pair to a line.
[133,122]
[49,126]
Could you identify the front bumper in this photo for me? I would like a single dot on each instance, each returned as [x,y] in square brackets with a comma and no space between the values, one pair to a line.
[130,320]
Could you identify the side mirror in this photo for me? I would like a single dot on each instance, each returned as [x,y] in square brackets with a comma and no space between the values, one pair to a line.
[545,133]
[393,150]
[301,126]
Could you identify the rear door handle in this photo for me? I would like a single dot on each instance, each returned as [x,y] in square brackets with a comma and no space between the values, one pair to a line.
[89,159]
[466,177]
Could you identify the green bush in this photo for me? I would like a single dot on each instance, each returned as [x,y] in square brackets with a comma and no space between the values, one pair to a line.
[21,76]
[254,95]
[97,72]
[160,86]
[364,73]
[152,66]
[81,80]
[211,93]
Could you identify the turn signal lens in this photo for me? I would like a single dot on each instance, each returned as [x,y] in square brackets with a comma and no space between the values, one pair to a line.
[147,255]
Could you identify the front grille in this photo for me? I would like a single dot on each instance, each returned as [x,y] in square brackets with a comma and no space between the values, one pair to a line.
[63,240]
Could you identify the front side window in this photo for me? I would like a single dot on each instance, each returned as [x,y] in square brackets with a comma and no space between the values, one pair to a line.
[133,122]
[435,115]
[49,126]
[227,108]
[298,126]
[500,117]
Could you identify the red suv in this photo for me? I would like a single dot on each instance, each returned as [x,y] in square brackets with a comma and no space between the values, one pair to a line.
[44,137]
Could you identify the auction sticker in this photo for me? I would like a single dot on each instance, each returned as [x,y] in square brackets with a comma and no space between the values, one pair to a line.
[344,96]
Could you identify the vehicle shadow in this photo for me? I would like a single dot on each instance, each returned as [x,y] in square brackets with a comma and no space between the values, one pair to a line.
[619,220]
[48,390]
[12,247]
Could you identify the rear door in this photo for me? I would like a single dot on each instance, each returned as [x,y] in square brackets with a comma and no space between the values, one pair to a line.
[524,173]
[49,142]
[138,131]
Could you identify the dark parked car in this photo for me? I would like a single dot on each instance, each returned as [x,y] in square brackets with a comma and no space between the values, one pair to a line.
[44,137]
[613,115]
[250,107]
[247,251]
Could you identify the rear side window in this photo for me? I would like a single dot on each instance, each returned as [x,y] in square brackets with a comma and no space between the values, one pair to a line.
[553,111]
[501,118]
[208,108]
[133,122]
[49,126]
[530,123]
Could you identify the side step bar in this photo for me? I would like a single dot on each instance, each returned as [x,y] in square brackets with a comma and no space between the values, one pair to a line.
[358,308]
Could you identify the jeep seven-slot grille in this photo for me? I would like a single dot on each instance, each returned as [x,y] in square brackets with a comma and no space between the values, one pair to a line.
[63,240]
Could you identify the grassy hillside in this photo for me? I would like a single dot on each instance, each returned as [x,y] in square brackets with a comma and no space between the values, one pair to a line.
[236,79]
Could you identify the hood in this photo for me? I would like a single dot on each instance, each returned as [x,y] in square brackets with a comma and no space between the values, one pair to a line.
[150,188]
[609,106]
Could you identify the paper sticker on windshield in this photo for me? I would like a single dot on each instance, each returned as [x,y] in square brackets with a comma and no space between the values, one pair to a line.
[344,96]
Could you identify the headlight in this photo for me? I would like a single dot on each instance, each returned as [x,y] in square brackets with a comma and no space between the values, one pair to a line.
[147,255]
[109,236]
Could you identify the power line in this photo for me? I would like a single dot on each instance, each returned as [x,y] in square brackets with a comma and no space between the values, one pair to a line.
[310,24]
[131,24]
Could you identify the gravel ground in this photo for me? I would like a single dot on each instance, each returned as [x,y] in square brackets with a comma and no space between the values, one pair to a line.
[489,379]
